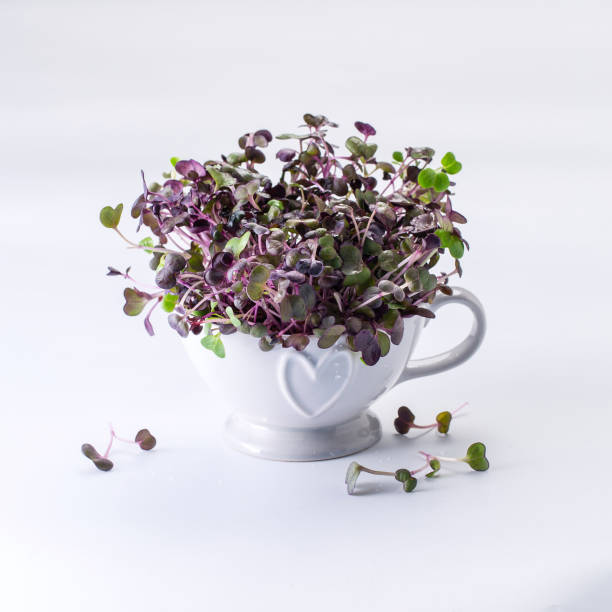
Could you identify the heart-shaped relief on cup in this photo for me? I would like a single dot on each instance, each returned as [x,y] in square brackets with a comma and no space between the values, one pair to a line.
[310,386]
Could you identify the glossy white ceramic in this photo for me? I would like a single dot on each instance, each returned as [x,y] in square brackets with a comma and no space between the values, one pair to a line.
[313,405]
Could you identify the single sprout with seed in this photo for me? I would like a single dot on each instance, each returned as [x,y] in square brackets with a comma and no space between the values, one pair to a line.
[475,457]
[405,420]
[143,438]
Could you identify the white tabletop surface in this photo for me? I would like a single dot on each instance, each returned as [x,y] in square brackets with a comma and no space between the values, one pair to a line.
[92,93]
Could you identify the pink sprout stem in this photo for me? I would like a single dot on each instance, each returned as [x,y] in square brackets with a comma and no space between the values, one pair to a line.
[453,412]
[376,472]
[413,472]
[113,437]
[430,457]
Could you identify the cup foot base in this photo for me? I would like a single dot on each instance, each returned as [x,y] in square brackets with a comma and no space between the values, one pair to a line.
[307,444]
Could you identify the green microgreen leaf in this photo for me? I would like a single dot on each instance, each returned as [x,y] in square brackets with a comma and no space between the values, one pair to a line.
[214,343]
[452,242]
[434,464]
[326,241]
[384,342]
[427,178]
[330,336]
[402,475]
[456,247]
[359,148]
[385,167]
[443,419]
[355,145]
[422,153]
[441,182]
[450,164]
[358,278]
[410,485]
[369,150]
[389,260]
[292,307]
[222,179]
[236,158]
[308,294]
[448,159]
[328,254]
[397,156]
[476,457]
[454,168]
[147,242]
[169,302]
[233,318]
[427,280]
[237,244]
[257,282]
[409,481]
[110,217]
[293,136]
[258,330]
[371,248]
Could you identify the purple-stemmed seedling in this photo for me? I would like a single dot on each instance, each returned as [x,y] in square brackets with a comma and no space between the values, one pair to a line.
[103,463]
[144,439]
[405,420]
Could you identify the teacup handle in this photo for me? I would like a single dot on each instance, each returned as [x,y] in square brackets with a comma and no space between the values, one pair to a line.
[463,351]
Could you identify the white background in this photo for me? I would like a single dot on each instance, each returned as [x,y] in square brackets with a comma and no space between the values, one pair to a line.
[92,93]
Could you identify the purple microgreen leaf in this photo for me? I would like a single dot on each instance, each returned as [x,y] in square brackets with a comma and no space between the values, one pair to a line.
[286,155]
[149,326]
[297,341]
[404,421]
[102,463]
[165,278]
[190,169]
[365,128]
[145,439]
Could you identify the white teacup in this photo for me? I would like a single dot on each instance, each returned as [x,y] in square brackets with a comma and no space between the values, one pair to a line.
[312,405]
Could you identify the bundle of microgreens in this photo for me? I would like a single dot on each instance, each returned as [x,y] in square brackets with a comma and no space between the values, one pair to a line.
[342,244]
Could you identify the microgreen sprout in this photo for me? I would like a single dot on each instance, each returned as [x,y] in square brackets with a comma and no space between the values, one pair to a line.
[403,475]
[405,420]
[340,244]
[144,439]
[475,457]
